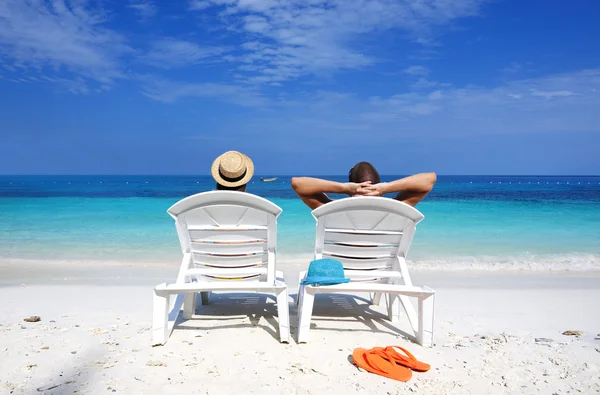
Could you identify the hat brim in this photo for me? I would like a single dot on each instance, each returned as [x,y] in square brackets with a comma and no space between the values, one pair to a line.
[218,178]
[322,280]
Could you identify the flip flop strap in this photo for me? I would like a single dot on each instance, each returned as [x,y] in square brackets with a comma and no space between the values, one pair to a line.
[381,353]
[394,353]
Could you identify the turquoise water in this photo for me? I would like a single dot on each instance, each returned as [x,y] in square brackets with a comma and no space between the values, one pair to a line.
[496,220]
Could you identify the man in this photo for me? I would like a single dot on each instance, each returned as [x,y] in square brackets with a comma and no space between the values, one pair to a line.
[232,171]
[364,181]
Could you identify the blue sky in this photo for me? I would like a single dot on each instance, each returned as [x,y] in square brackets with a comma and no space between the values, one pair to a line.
[303,87]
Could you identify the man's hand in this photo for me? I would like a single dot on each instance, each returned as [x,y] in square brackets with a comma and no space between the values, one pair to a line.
[353,188]
[313,191]
[373,189]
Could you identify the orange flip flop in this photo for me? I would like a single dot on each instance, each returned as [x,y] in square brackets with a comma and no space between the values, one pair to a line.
[407,360]
[380,363]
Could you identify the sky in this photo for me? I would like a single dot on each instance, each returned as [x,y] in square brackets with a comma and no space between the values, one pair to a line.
[304,87]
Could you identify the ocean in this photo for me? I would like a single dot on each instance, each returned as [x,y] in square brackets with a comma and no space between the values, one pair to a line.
[477,222]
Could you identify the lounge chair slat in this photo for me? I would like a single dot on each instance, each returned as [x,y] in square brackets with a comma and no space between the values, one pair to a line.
[229,228]
[363,232]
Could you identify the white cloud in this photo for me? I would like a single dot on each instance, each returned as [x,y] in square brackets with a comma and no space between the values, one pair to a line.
[424,83]
[168,91]
[456,112]
[421,80]
[437,95]
[171,53]
[512,68]
[467,111]
[256,24]
[144,8]
[550,95]
[75,85]
[477,110]
[197,5]
[59,35]
[280,40]
[416,70]
[343,122]
[303,37]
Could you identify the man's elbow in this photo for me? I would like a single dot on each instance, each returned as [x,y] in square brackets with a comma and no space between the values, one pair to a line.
[431,179]
[296,184]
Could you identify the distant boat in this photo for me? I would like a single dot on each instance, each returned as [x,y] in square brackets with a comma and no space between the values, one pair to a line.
[268,179]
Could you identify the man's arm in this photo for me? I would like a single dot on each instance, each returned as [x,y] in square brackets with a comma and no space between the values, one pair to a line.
[410,190]
[313,191]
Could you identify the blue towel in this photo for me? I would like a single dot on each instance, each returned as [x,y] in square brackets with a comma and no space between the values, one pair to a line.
[325,272]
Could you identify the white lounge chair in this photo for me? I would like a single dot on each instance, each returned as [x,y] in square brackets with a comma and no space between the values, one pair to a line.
[228,240]
[371,237]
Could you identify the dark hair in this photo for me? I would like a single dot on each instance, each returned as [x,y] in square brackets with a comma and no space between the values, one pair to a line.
[239,188]
[363,172]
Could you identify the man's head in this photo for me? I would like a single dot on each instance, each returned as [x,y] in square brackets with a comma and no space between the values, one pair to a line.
[363,172]
[232,171]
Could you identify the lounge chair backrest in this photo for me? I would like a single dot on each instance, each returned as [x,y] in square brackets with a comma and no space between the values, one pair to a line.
[227,230]
[365,233]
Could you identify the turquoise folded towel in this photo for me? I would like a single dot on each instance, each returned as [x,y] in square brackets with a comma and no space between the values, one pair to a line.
[325,272]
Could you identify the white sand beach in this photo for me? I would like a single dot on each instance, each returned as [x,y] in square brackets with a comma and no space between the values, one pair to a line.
[94,336]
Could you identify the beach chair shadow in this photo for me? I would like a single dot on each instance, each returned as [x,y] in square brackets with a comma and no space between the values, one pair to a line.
[347,308]
[259,309]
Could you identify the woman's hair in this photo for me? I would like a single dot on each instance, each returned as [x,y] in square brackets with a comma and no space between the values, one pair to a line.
[363,172]
[239,188]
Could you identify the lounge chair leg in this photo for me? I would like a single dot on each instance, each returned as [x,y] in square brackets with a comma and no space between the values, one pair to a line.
[299,298]
[410,312]
[301,276]
[283,314]
[426,317]
[205,297]
[393,307]
[376,299]
[305,315]
[160,319]
[189,305]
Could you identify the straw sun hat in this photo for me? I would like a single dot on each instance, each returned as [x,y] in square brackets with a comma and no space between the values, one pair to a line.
[232,169]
